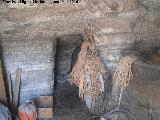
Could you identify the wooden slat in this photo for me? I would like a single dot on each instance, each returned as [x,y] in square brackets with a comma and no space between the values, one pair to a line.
[3,97]
[45,113]
[17,89]
[9,81]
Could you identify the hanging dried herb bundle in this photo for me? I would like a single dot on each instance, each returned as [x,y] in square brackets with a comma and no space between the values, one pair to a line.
[89,72]
[123,72]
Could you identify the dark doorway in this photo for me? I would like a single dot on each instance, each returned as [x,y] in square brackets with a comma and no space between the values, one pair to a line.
[68,106]
[68,47]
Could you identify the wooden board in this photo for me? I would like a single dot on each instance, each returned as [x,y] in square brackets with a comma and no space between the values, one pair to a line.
[17,89]
[45,112]
[45,106]
[3,97]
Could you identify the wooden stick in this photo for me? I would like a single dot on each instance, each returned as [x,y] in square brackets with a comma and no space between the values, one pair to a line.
[9,81]
[3,97]
[16,90]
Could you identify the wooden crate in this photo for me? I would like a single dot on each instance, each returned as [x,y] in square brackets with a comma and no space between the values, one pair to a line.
[45,107]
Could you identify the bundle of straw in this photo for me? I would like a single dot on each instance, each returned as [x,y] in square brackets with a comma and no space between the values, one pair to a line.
[89,72]
[123,72]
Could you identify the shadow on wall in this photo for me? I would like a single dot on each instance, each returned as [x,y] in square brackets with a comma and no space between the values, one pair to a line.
[67,49]
[140,49]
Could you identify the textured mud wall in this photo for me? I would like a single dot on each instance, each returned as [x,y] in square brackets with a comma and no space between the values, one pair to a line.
[34,53]
[121,27]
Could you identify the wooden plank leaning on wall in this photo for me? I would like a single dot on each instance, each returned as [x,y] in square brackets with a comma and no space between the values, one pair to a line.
[3,98]
[17,90]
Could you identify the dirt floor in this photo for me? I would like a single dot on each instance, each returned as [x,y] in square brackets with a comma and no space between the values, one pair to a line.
[68,106]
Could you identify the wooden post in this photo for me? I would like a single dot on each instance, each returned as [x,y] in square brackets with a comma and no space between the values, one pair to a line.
[16,90]
[9,81]
[3,97]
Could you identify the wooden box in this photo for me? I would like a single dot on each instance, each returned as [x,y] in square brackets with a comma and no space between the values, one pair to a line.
[45,107]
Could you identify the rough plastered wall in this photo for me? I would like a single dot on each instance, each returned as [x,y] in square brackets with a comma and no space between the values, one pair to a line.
[121,27]
[34,53]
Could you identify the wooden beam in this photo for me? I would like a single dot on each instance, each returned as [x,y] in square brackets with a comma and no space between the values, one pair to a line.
[3,97]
